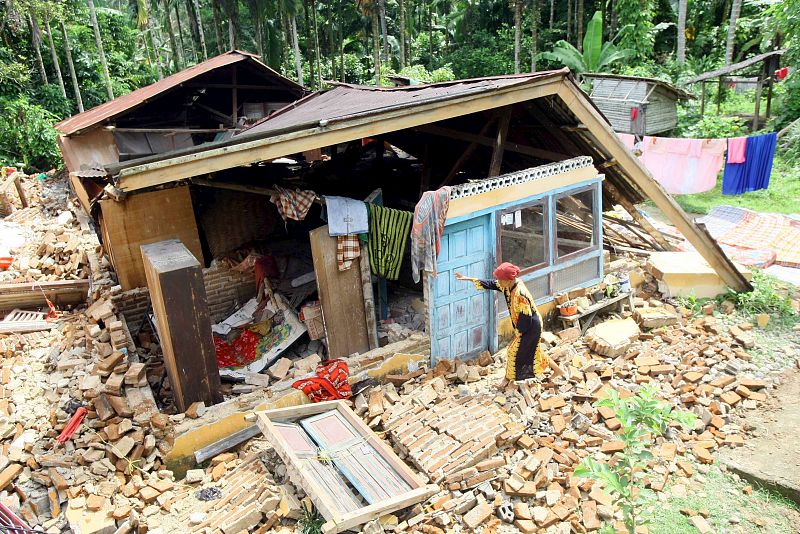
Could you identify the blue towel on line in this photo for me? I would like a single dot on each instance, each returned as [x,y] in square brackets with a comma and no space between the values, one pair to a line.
[754,173]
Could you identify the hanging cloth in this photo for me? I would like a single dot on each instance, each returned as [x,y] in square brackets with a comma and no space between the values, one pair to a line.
[737,147]
[755,172]
[346,216]
[388,233]
[292,204]
[430,215]
[348,248]
[683,166]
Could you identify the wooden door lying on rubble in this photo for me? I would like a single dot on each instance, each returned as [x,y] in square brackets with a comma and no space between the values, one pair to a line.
[341,294]
[462,319]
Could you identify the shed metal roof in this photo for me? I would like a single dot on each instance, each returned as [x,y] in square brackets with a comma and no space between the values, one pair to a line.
[118,106]
[736,66]
[678,92]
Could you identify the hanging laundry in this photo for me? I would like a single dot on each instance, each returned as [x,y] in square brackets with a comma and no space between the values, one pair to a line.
[683,166]
[426,232]
[388,233]
[292,204]
[346,216]
[348,248]
[736,149]
[629,140]
[754,173]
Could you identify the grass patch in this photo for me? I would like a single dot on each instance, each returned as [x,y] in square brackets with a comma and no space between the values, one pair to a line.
[780,197]
[724,497]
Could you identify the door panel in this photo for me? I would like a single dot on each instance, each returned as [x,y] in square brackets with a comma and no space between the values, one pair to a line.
[462,315]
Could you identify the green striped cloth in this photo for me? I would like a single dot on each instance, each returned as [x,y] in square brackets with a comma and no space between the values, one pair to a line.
[388,232]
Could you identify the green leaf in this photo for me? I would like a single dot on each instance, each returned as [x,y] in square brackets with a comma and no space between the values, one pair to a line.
[593,42]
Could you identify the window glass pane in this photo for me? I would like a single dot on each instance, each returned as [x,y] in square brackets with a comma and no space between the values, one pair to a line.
[522,236]
[574,222]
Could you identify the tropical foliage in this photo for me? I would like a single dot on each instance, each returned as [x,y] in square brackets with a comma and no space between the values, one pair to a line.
[596,56]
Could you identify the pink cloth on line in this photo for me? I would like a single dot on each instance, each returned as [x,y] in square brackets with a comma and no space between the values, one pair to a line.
[683,166]
[736,149]
[627,139]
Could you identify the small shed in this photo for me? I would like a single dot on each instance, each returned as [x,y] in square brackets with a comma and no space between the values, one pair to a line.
[639,106]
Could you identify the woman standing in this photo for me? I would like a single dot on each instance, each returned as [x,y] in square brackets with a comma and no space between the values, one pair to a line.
[525,356]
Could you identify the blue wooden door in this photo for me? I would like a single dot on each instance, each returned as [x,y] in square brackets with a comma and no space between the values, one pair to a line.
[462,316]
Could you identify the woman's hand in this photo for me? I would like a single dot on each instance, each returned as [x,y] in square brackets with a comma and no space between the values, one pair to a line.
[460,276]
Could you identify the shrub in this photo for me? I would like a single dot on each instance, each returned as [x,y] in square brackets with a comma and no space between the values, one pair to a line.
[27,135]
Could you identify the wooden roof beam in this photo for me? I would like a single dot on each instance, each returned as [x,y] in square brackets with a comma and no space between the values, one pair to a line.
[539,153]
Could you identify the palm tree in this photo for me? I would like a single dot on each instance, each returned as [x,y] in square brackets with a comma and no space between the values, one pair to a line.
[370,9]
[596,55]
[151,28]
[384,31]
[736,8]
[76,88]
[217,17]
[231,8]
[579,29]
[316,43]
[402,24]
[197,24]
[536,17]
[100,52]
[681,52]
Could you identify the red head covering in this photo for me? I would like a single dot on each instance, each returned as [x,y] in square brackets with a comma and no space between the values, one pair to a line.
[506,271]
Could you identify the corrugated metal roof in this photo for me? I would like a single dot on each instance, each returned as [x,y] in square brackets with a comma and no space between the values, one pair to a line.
[680,93]
[346,101]
[736,66]
[119,105]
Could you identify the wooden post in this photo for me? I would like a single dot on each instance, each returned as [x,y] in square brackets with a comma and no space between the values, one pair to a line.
[175,280]
[758,104]
[499,144]
[234,98]
[769,98]
[702,98]
[20,191]
[719,95]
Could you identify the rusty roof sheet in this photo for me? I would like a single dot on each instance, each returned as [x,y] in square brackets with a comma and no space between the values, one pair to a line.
[118,106]
[345,101]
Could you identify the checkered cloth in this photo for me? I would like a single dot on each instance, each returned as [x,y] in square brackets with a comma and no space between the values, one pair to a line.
[292,204]
[348,249]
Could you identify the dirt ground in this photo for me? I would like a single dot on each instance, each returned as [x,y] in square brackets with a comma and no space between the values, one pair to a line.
[771,455]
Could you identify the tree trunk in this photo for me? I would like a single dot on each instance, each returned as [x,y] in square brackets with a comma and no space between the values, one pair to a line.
[151,29]
[384,31]
[579,31]
[259,33]
[217,18]
[36,38]
[180,36]
[736,7]
[376,48]
[99,41]
[331,41]
[232,10]
[552,13]
[296,44]
[199,22]
[76,88]
[569,21]
[517,33]
[536,17]
[312,79]
[402,34]
[316,43]
[173,42]
[54,55]
[681,52]
[430,33]
[341,42]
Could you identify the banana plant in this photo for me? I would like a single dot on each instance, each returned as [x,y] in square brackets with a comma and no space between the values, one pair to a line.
[596,55]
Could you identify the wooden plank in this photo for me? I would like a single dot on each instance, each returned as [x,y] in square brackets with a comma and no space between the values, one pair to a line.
[227,443]
[178,296]
[500,143]
[370,312]
[600,130]
[60,293]
[275,146]
[638,217]
[341,294]
[147,218]
[374,511]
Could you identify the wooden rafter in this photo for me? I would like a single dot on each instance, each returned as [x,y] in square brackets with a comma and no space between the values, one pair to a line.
[500,143]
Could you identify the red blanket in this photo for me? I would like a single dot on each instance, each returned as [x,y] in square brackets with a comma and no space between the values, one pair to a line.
[329,384]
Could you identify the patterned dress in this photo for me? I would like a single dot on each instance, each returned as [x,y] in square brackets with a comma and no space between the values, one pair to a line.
[525,356]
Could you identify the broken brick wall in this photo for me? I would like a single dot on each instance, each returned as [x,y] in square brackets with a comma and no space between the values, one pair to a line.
[226,290]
